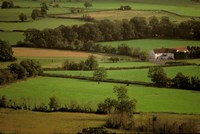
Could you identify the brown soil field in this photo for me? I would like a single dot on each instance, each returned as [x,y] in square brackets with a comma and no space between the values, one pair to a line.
[37,52]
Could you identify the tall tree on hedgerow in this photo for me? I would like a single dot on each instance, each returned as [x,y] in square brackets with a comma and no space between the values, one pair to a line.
[6,53]
[158,76]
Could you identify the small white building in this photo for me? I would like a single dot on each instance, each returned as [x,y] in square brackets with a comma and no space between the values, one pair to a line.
[166,53]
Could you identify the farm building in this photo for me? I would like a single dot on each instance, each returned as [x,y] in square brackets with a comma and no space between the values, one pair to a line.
[166,53]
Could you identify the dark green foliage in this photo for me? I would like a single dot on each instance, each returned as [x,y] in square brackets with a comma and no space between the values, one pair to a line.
[6,76]
[53,103]
[114,59]
[22,17]
[35,14]
[88,4]
[181,81]
[7,4]
[44,9]
[125,8]
[91,63]
[14,71]
[106,107]
[158,76]
[156,125]
[124,107]
[6,53]
[95,130]
[2,101]
[18,70]
[87,18]
[100,74]
[76,10]
[33,68]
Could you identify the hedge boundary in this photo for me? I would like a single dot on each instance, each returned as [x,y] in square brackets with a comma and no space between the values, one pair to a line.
[127,82]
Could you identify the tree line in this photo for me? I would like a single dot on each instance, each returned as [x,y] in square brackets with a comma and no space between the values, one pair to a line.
[17,71]
[160,79]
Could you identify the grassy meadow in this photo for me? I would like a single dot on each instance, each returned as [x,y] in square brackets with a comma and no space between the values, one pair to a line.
[149,44]
[149,99]
[136,74]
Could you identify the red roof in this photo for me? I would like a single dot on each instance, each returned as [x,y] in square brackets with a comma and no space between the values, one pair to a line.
[182,49]
[164,50]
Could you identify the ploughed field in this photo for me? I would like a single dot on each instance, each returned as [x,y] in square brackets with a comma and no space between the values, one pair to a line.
[36,91]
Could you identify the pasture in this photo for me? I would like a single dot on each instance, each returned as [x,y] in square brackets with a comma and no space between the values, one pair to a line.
[149,44]
[136,74]
[149,99]
[12,37]
[119,15]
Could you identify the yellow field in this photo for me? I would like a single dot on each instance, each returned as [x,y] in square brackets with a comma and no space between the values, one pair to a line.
[23,122]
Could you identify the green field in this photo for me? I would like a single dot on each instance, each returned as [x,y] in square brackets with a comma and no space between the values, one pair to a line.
[150,99]
[125,64]
[12,37]
[136,74]
[149,44]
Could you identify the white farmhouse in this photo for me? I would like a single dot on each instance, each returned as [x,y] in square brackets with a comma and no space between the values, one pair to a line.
[166,53]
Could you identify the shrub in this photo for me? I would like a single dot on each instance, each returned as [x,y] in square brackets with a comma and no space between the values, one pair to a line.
[53,103]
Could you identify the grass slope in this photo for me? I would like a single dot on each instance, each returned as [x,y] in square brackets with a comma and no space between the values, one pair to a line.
[149,44]
[136,74]
[150,99]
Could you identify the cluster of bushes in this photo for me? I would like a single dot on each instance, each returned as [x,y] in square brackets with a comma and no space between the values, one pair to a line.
[89,64]
[7,4]
[95,130]
[76,10]
[125,8]
[160,79]
[157,125]
[53,105]
[15,71]
[194,52]
[6,53]
[87,18]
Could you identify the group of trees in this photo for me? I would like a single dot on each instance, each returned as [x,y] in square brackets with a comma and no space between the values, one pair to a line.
[7,4]
[120,110]
[89,64]
[55,38]
[16,71]
[160,79]
[6,53]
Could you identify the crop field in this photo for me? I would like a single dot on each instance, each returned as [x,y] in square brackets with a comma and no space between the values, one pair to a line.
[149,44]
[136,74]
[53,58]
[149,99]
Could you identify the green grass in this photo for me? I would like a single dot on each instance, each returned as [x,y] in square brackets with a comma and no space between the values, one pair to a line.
[136,74]
[149,44]
[38,24]
[150,99]
[12,37]
[125,64]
